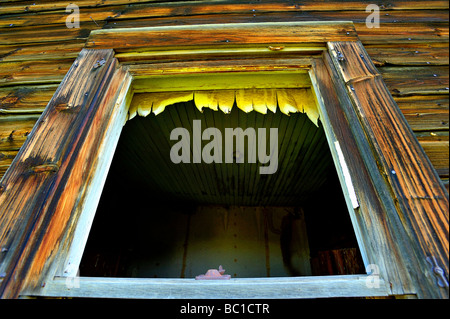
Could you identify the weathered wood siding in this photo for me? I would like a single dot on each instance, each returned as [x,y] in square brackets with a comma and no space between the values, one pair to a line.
[410,50]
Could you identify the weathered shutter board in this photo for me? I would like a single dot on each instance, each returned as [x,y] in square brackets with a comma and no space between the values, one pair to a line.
[421,198]
[45,184]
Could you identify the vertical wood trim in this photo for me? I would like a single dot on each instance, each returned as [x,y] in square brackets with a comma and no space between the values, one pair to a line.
[374,232]
[420,197]
[44,190]
[107,131]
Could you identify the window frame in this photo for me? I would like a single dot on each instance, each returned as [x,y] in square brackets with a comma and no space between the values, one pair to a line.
[53,190]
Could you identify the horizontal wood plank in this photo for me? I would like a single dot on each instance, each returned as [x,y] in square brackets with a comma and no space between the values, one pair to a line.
[438,153]
[243,288]
[393,17]
[416,80]
[41,51]
[44,34]
[409,54]
[228,34]
[403,33]
[25,98]
[14,130]
[158,14]
[425,112]
[36,72]
[13,8]
[6,158]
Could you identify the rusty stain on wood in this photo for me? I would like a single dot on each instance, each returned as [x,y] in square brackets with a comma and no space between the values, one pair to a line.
[48,167]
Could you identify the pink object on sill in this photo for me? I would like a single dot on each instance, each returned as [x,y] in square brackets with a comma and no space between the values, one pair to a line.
[214,274]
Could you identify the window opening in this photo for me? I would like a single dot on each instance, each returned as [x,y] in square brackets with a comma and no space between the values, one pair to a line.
[158,219]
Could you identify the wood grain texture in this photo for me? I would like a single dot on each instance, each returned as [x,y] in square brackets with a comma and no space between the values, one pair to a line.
[40,51]
[425,112]
[44,190]
[422,200]
[25,99]
[412,80]
[14,131]
[409,54]
[245,288]
[11,7]
[34,72]
[403,33]
[198,12]
[43,34]
[376,231]
[212,34]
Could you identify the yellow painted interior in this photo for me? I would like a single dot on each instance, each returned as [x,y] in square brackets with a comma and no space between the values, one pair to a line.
[259,100]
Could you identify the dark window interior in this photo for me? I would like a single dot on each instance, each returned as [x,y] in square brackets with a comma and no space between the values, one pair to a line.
[166,220]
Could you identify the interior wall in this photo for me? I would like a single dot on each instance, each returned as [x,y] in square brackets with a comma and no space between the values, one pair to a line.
[137,235]
[246,241]
[160,219]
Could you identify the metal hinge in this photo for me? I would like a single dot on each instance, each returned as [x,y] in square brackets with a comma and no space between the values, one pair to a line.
[438,272]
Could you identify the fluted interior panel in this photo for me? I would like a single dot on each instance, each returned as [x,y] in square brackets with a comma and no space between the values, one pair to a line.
[143,158]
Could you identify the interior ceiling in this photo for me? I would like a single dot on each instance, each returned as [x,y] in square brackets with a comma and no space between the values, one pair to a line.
[143,159]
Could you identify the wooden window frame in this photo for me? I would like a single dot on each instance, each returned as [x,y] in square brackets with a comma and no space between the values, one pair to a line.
[50,193]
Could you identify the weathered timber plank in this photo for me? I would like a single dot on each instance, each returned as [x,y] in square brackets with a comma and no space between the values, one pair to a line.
[226,6]
[219,52]
[278,16]
[403,33]
[245,288]
[212,34]
[145,74]
[436,145]
[25,98]
[42,51]
[30,8]
[409,54]
[257,16]
[45,189]
[14,131]
[87,18]
[438,153]
[36,72]
[6,158]
[44,34]
[236,7]
[375,230]
[416,80]
[421,198]
[425,112]
[203,13]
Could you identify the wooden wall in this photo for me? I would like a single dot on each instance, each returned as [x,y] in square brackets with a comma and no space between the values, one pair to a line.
[410,49]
